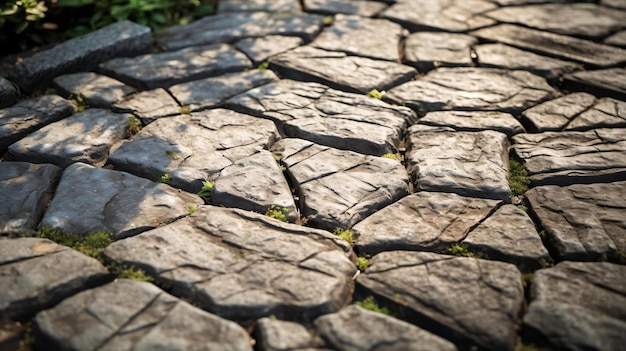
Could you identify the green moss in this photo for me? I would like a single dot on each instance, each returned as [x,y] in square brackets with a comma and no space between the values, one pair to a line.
[207,189]
[172,154]
[391,156]
[462,250]
[192,209]
[166,178]
[263,66]
[376,94]
[518,178]
[91,244]
[79,103]
[345,234]
[135,274]
[277,212]
[133,125]
[185,110]
[369,303]
[362,263]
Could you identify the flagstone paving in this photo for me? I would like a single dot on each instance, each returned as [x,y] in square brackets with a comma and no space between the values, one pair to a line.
[275,170]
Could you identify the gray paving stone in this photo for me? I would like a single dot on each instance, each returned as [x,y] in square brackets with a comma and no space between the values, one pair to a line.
[25,191]
[350,7]
[617,39]
[27,116]
[578,306]
[261,49]
[614,3]
[339,188]
[92,199]
[277,335]
[96,90]
[149,105]
[607,82]
[8,93]
[242,266]
[555,45]
[144,318]
[583,222]
[258,5]
[469,301]
[121,39]
[475,89]
[165,69]
[428,50]
[525,2]
[37,274]
[473,121]
[340,71]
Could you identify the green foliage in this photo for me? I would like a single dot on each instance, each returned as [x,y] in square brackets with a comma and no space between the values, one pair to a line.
[166,178]
[17,15]
[207,189]
[362,263]
[185,110]
[135,274]
[391,156]
[376,94]
[462,250]
[345,234]
[369,303]
[79,103]
[543,235]
[262,67]
[172,154]
[518,178]
[91,244]
[192,209]
[133,125]
[277,212]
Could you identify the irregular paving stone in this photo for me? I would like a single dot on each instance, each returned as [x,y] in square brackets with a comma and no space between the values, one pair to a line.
[428,50]
[193,148]
[364,37]
[617,39]
[471,164]
[614,3]
[472,89]
[258,5]
[351,7]
[81,54]
[260,49]
[474,121]
[608,82]
[92,199]
[340,71]
[277,335]
[339,188]
[27,116]
[25,191]
[149,105]
[168,68]
[329,117]
[242,265]
[583,222]
[8,93]
[131,315]
[84,137]
[95,90]
[37,274]
[466,300]
[232,27]
[211,92]
[578,306]
[555,45]
[563,158]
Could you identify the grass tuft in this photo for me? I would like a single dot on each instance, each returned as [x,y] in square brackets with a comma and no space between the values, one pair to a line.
[207,189]
[518,178]
[362,263]
[277,212]
[344,234]
[369,303]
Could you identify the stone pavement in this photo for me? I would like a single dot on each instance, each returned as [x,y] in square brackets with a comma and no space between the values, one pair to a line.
[402,121]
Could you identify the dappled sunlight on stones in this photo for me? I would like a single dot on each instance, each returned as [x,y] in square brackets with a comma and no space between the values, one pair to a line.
[608,82]
[258,5]
[95,90]
[260,49]
[8,93]
[352,7]
[149,105]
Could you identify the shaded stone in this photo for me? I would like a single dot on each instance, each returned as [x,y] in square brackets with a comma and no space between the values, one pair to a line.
[364,37]
[277,335]
[339,188]
[465,300]
[582,222]
[474,121]
[37,274]
[563,158]
[193,148]
[608,82]
[143,318]
[121,39]
[92,199]
[617,39]
[84,137]
[261,49]
[340,71]
[242,266]
[351,7]
[486,89]
[232,27]
[95,90]
[258,5]
[555,45]
[149,105]
[25,191]
[8,93]
[211,92]
[471,164]
[29,115]
[578,306]
[614,3]
[428,50]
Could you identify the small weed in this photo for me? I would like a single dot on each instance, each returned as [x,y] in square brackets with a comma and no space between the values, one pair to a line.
[166,178]
[135,274]
[518,178]
[328,20]
[262,67]
[523,207]
[133,125]
[391,156]
[207,189]
[462,250]
[173,154]
[185,110]
[543,235]
[276,212]
[345,234]
[282,168]
[192,209]
[78,102]
[362,263]
[376,94]
[526,279]
[369,303]
[91,244]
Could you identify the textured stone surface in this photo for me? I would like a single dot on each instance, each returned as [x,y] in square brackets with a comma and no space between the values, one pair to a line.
[466,300]
[339,188]
[261,49]
[95,90]
[92,199]
[353,7]
[583,222]
[8,93]
[428,50]
[617,39]
[81,54]
[277,335]
[241,265]
[474,121]
[25,190]
[258,5]
[614,3]
[609,82]
[149,105]
[143,318]
[37,274]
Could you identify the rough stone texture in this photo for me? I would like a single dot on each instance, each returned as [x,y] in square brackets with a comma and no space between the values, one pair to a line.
[609,82]
[149,105]
[467,163]
[37,274]
[563,158]
[193,148]
[277,335]
[617,39]
[579,306]
[428,50]
[474,121]
[82,54]
[614,3]
[364,37]
[25,191]
[555,45]
[583,222]
[340,71]
[165,69]
[27,116]
[352,7]
[440,15]
[95,90]
[241,265]
[92,199]
[261,49]
[339,188]
[8,93]
[212,92]
[232,27]
[84,137]
[466,300]
[143,318]
[258,5]
[472,89]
